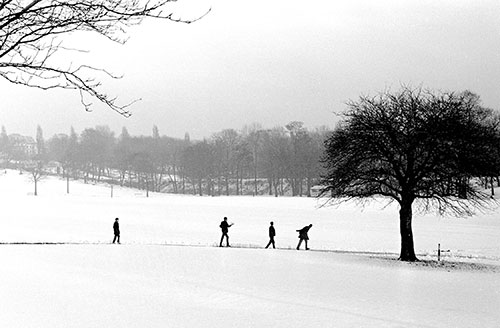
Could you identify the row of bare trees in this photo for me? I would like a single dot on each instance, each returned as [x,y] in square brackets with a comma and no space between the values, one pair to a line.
[254,161]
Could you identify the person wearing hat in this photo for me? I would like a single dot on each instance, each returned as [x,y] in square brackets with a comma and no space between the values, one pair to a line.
[116,230]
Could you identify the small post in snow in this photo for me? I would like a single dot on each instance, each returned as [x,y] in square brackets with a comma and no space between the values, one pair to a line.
[439,252]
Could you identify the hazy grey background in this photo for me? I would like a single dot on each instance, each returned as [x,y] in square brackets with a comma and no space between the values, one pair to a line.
[272,62]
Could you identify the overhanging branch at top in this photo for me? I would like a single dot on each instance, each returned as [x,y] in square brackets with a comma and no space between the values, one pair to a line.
[31,34]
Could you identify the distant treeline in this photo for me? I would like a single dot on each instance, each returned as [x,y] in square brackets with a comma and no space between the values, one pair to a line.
[253,161]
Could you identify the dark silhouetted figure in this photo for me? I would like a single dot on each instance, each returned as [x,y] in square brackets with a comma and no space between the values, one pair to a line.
[303,235]
[116,230]
[272,233]
[225,228]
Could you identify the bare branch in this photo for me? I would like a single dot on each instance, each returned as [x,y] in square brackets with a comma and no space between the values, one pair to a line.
[30,32]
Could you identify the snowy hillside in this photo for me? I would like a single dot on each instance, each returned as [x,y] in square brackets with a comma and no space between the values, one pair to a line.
[156,278]
[87,213]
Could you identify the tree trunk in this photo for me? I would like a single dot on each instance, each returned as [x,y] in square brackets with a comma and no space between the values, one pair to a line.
[175,180]
[255,190]
[160,178]
[183,183]
[309,185]
[407,247]
[193,185]
[209,187]
[237,182]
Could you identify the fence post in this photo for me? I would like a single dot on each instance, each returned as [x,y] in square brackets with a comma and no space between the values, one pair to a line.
[439,252]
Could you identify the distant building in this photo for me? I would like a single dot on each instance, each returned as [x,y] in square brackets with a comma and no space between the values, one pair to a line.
[22,144]
[317,190]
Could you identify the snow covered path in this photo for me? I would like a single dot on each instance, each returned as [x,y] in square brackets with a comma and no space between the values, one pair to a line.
[177,286]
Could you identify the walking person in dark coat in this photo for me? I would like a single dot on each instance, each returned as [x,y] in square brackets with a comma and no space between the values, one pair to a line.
[116,230]
[225,228]
[303,235]
[272,233]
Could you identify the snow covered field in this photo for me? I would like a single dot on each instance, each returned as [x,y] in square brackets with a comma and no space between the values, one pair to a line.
[167,274]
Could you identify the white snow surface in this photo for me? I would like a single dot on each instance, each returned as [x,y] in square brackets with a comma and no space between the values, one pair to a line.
[60,270]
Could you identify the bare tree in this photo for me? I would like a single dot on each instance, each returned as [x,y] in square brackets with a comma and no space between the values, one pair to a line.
[225,143]
[31,35]
[301,146]
[37,173]
[198,162]
[413,145]
[275,159]
[96,151]
[71,157]
[242,164]
[252,135]
[122,156]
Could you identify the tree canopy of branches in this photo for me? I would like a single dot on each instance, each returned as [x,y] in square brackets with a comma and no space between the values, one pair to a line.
[413,145]
[31,35]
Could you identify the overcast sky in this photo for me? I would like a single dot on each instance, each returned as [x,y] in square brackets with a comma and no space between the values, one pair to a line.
[273,62]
